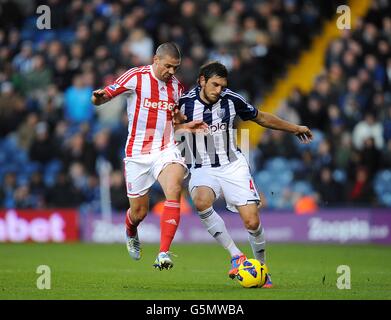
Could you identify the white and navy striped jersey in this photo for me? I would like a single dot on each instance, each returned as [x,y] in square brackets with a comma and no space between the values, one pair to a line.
[218,146]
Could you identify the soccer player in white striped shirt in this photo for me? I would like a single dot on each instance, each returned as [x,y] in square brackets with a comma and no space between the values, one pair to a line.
[218,167]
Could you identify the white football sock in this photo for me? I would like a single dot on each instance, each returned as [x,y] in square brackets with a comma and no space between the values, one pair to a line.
[216,227]
[258,243]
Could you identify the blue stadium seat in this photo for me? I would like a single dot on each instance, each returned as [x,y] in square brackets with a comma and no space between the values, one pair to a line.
[50,172]
[20,157]
[272,192]
[9,202]
[10,146]
[296,165]
[277,163]
[29,28]
[340,176]
[66,35]
[27,34]
[29,23]
[71,131]
[3,156]
[385,199]
[22,180]
[49,179]
[2,173]
[96,127]
[32,167]
[303,187]
[10,167]
[382,186]
[45,35]
[262,178]
[282,177]
[383,181]
[53,166]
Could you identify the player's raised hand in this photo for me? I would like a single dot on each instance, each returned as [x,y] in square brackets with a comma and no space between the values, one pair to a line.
[304,134]
[99,93]
[99,96]
[196,126]
[178,117]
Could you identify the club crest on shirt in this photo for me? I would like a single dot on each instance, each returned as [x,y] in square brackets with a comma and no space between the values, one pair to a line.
[221,113]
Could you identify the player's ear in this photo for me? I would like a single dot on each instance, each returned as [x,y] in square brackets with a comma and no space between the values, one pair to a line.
[155,59]
[202,81]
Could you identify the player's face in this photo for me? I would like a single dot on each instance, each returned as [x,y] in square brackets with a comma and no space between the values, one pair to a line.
[165,67]
[212,88]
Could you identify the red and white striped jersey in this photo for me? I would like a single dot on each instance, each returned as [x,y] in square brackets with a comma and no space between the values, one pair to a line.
[149,105]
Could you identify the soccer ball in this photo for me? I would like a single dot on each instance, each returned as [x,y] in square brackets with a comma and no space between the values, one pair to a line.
[251,274]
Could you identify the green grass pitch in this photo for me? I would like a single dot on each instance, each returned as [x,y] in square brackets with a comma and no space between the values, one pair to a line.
[97,271]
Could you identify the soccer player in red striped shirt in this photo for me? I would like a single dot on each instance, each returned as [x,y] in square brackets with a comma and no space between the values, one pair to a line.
[152,94]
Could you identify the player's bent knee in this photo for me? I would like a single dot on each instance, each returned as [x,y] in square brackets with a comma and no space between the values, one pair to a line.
[202,204]
[251,224]
[138,213]
[174,190]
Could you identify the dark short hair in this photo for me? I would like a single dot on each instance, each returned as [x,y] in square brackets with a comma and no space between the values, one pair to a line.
[211,69]
[168,49]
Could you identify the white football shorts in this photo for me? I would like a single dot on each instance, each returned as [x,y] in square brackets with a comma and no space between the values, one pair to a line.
[233,180]
[142,171]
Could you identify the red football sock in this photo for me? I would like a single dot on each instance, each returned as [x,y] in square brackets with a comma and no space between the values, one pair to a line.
[131,228]
[169,222]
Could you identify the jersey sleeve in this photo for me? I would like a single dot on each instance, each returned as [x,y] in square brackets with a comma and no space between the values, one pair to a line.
[178,95]
[125,83]
[180,91]
[182,107]
[242,108]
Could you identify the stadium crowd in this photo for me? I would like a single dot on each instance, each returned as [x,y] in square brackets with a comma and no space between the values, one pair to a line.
[53,142]
[349,108]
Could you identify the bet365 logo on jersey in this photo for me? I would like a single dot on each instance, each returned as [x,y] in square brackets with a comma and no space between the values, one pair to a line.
[158,104]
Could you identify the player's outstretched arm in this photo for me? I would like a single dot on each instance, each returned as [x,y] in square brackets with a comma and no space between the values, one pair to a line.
[271,121]
[99,97]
